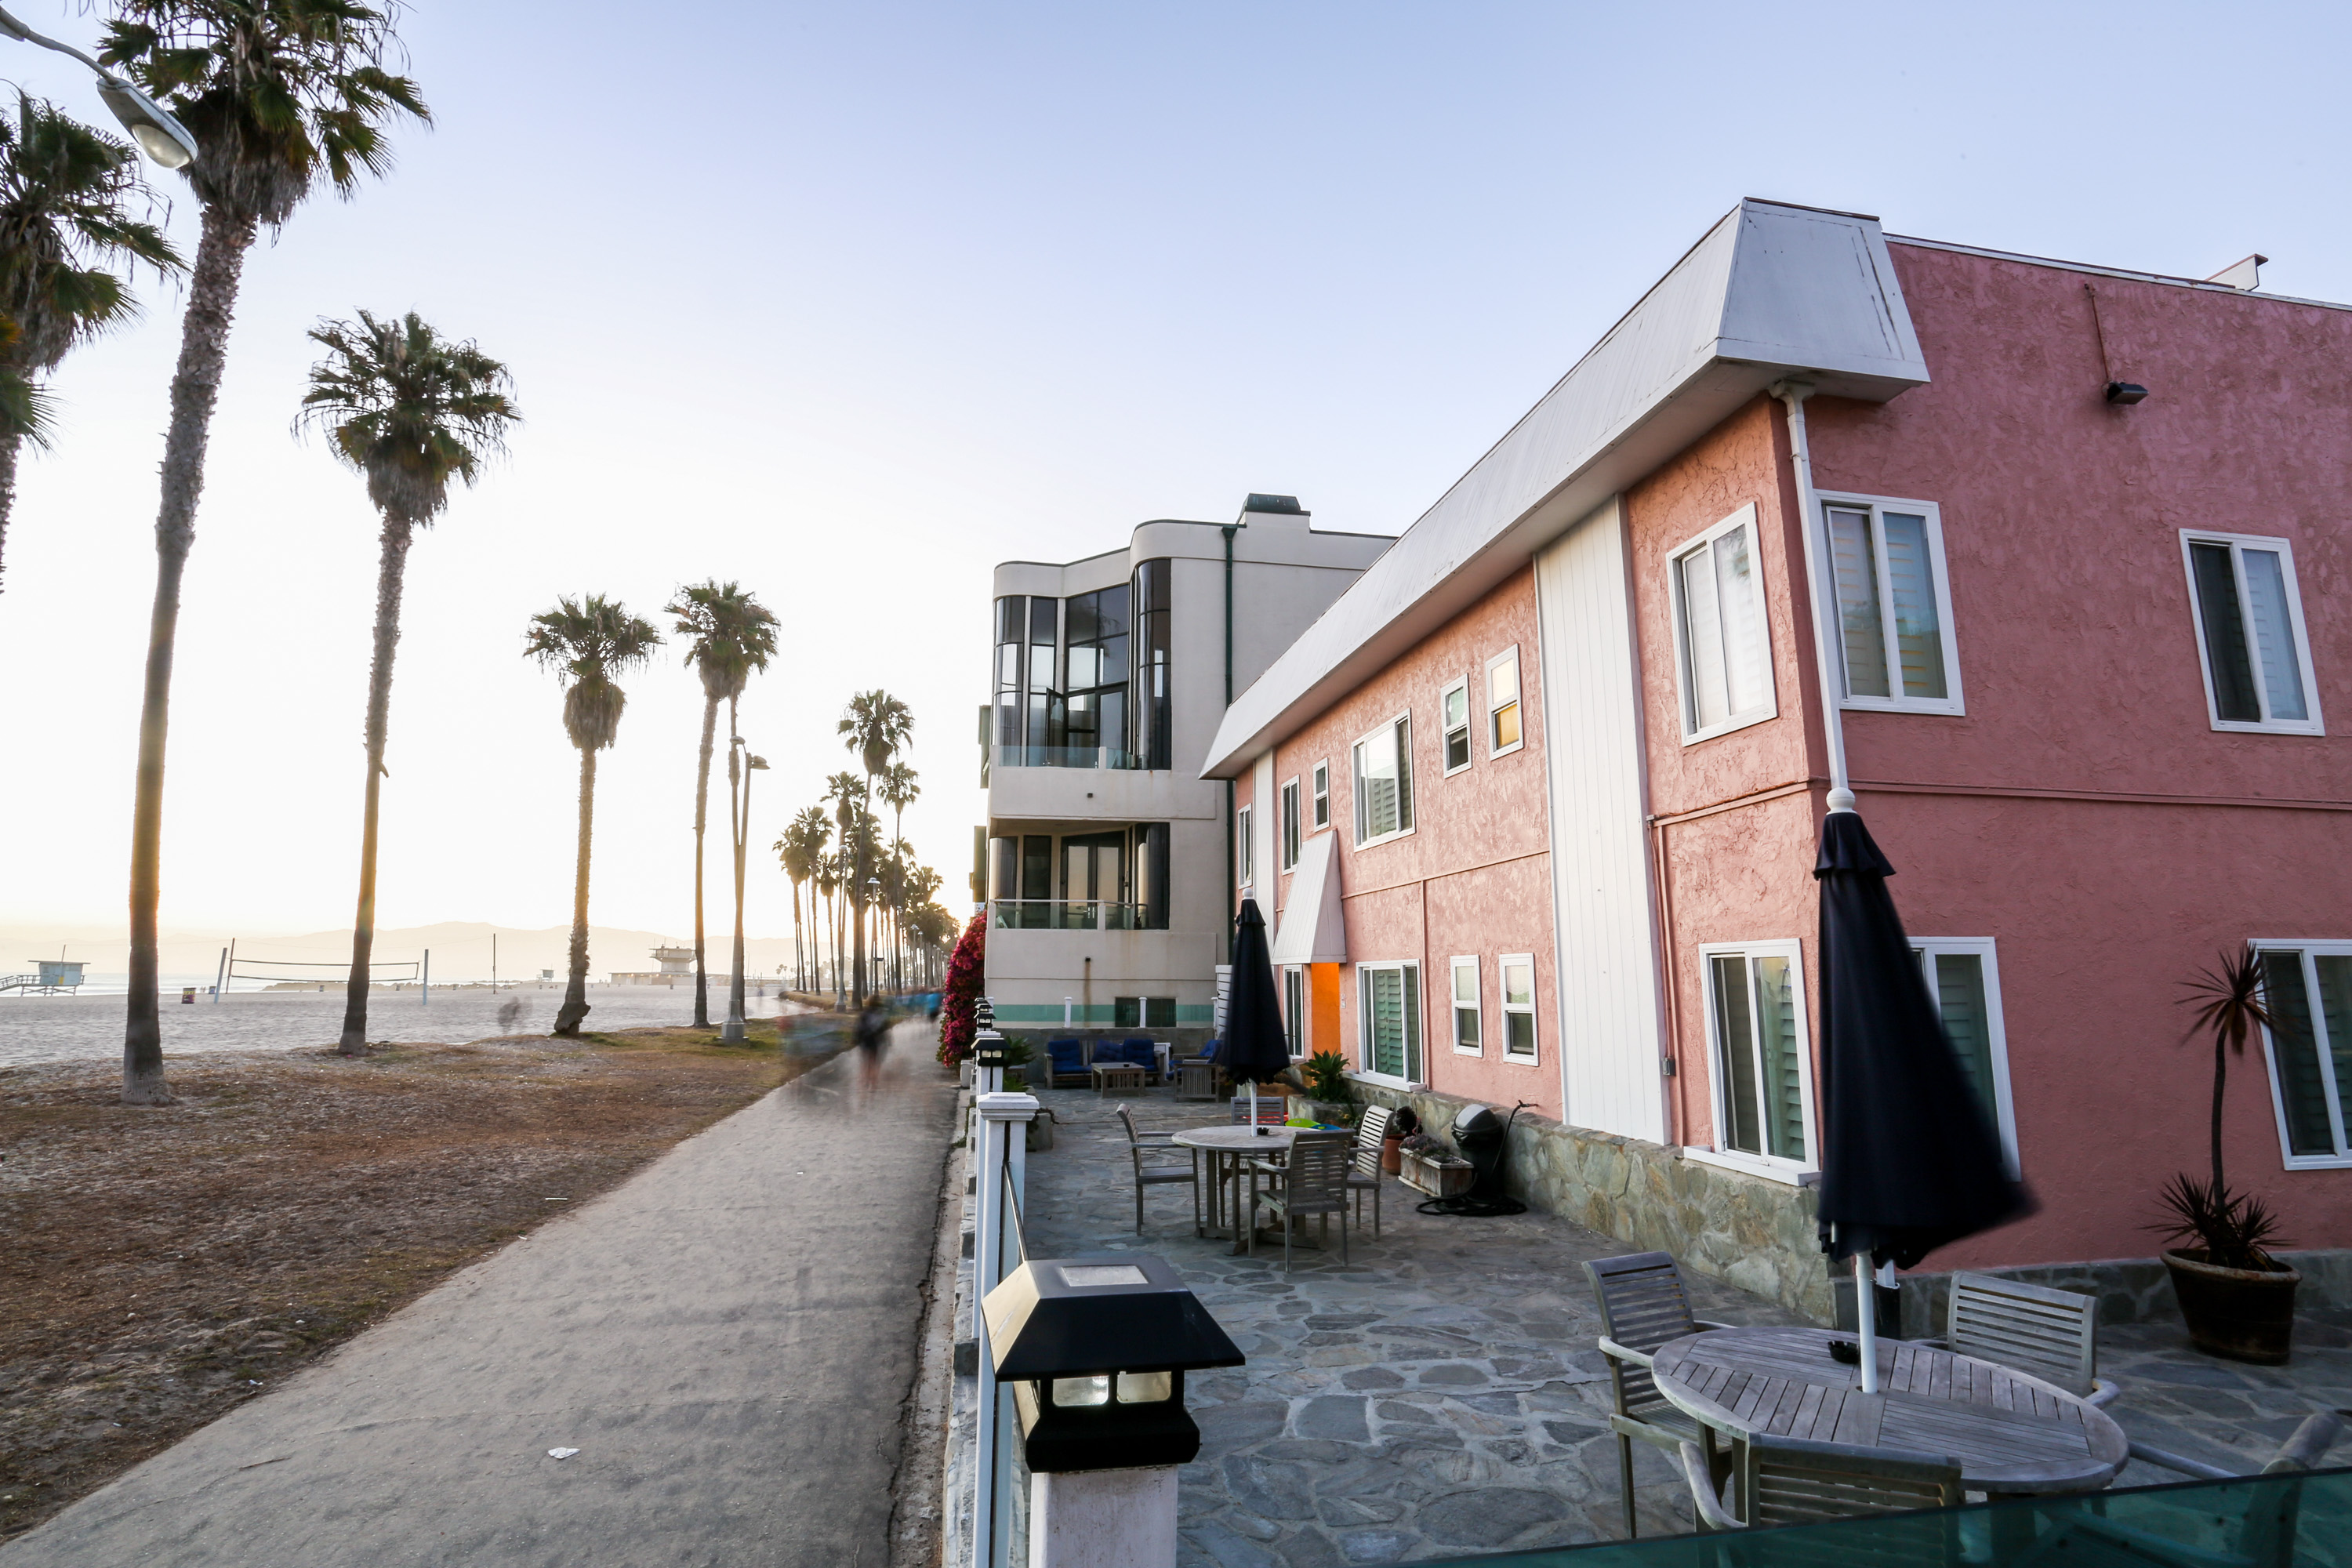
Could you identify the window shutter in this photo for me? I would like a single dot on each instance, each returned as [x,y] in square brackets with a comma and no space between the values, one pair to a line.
[1856,567]
[2274,633]
[1910,579]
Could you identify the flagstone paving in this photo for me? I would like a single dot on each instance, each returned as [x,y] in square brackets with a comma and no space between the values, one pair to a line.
[1440,1394]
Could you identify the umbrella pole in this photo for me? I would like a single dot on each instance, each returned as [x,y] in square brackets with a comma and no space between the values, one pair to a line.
[1865,1312]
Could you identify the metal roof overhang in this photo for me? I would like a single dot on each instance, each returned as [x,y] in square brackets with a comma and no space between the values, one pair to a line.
[1312,931]
[1773,293]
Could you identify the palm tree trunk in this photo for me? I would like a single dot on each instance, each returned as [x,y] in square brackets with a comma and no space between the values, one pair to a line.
[702,821]
[575,992]
[195,387]
[8,446]
[392,567]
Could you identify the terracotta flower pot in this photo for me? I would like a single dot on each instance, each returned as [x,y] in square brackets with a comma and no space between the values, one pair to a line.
[2240,1314]
[1392,1155]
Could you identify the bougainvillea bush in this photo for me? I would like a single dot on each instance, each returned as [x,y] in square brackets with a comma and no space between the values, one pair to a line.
[959,996]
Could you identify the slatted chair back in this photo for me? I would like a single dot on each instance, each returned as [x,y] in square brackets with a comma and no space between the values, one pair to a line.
[1788,1480]
[1370,1129]
[1126,1119]
[2051,1334]
[1315,1175]
[1642,1305]
[1271,1112]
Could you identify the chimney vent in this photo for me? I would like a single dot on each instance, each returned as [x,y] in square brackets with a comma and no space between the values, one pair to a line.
[1286,506]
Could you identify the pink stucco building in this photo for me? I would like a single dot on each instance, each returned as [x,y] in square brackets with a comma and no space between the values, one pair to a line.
[1535,803]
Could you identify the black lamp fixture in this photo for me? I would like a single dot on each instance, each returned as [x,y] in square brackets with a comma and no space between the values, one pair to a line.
[2124,393]
[988,1049]
[1095,1349]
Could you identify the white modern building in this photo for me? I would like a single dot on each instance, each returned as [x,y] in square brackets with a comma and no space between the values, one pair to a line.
[1110,859]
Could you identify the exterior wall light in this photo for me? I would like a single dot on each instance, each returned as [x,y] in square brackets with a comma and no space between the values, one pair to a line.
[988,1049]
[2124,393]
[1095,1349]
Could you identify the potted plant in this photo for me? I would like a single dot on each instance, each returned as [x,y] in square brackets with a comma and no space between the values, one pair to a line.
[1329,1097]
[1017,1056]
[2238,1301]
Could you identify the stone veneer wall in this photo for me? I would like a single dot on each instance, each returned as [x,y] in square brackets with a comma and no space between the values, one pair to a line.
[1742,1229]
[2129,1290]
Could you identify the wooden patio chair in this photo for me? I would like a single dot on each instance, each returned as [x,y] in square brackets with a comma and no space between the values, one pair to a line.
[1312,1180]
[1370,1129]
[1790,1480]
[2051,1334]
[1642,1305]
[1273,1110]
[1152,1152]
[1196,1080]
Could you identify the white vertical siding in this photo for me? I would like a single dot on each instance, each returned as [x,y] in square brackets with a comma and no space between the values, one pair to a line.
[1265,807]
[1607,985]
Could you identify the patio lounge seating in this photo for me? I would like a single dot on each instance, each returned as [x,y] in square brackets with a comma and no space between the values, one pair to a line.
[1137,1050]
[1196,1080]
[1788,1480]
[1155,1166]
[1370,1128]
[1312,1180]
[1067,1060]
[1642,1305]
[2051,1334]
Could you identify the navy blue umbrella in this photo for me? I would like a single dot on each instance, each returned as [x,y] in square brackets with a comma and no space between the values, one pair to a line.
[1910,1159]
[1255,1049]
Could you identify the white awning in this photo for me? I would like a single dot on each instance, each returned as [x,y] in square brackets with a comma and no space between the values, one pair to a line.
[1312,930]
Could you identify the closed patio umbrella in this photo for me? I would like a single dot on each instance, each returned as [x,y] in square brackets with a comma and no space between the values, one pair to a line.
[1910,1160]
[1255,1048]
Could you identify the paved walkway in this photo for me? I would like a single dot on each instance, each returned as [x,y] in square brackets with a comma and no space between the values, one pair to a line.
[1441,1396]
[726,1339]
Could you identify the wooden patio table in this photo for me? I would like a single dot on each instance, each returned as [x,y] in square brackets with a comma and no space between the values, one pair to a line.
[1228,1149]
[2011,1432]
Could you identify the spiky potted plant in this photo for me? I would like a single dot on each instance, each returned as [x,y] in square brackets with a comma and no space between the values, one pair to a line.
[2238,1301]
[1329,1097]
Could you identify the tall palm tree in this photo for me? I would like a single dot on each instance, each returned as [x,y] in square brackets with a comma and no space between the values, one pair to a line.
[587,641]
[899,789]
[282,96]
[411,410]
[66,225]
[801,848]
[828,883]
[876,726]
[733,636]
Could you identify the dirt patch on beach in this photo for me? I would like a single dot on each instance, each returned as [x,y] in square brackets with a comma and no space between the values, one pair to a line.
[162,1265]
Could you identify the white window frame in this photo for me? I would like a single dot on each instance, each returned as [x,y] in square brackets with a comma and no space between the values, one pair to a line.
[1510,656]
[1684,695]
[1405,773]
[1996,1030]
[1289,828]
[1770,1166]
[1364,1021]
[2237,542]
[2341,1110]
[1446,731]
[1894,702]
[1244,852]
[1319,819]
[1454,968]
[1533,1057]
[1294,1012]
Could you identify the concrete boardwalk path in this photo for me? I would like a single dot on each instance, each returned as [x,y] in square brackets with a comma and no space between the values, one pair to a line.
[728,1339]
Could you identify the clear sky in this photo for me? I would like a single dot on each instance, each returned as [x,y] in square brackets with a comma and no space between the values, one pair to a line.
[851,302]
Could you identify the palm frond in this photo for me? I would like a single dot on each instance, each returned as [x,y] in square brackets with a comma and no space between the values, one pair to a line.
[587,641]
[408,408]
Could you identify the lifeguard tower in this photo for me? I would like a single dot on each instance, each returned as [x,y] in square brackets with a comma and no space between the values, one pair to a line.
[49,976]
[677,963]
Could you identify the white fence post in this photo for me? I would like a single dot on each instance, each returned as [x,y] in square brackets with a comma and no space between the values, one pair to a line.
[1000,1163]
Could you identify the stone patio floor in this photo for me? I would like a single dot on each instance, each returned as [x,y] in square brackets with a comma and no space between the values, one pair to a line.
[1439,1395]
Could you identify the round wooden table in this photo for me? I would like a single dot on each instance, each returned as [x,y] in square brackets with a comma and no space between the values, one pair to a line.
[1227,1148]
[2011,1432]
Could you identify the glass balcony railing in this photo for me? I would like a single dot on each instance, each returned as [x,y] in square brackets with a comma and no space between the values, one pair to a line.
[2252,1522]
[1005,756]
[1067,914]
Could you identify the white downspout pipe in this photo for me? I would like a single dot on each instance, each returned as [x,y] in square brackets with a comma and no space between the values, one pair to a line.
[1818,588]
[1831,678]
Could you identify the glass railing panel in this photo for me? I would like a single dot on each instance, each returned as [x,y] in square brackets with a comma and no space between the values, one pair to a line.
[1066,914]
[2252,1522]
[1065,757]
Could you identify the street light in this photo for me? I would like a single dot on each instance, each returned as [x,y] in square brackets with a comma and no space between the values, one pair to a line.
[163,139]
[741,766]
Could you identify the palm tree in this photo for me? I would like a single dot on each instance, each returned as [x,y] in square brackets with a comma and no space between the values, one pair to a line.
[281,97]
[828,883]
[876,726]
[65,224]
[899,789]
[801,847]
[411,411]
[587,641]
[734,635]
